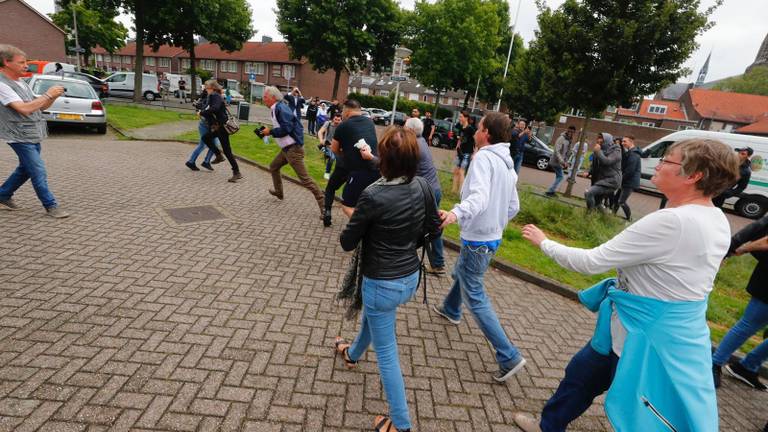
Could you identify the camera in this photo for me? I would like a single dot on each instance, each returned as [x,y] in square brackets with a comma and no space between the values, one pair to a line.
[259,131]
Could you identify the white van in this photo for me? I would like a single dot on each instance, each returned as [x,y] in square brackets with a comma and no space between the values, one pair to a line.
[121,84]
[753,202]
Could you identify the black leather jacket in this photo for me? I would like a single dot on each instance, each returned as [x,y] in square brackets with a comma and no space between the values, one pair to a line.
[389,219]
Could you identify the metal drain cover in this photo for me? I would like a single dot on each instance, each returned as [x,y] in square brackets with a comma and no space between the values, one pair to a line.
[185,215]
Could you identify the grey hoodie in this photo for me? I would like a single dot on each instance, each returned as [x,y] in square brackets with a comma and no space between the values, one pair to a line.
[489,197]
[607,164]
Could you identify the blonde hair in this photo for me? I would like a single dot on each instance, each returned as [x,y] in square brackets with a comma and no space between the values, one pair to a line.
[716,161]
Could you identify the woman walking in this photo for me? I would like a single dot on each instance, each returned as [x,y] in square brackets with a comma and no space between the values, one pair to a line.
[202,128]
[215,114]
[390,217]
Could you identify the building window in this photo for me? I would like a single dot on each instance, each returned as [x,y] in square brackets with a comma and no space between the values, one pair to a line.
[364,91]
[99,58]
[254,68]
[649,124]
[425,98]
[384,93]
[413,96]
[657,109]
[107,58]
[685,127]
[127,59]
[610,109]
[164,62]
[185,64]
[149,61]
[228,66]
[289,71]
[208,65]
[276,70]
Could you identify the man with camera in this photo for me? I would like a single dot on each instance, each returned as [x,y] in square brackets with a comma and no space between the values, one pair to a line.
[289,135]
[23,127]
[295,101]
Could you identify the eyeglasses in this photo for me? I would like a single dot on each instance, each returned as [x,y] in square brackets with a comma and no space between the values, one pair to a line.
[663,161]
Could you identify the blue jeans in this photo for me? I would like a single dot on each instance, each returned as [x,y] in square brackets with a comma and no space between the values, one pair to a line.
[202,128]
[30,167]
[754,319]
[330,158]
[380,301]
[588,375]
[436,257]
[518,160]
[468,288]
[558,178]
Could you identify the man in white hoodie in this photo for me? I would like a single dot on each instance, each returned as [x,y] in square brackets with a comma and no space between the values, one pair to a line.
[488,201]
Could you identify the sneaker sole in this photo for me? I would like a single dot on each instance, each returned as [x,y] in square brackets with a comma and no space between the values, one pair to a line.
[451,320]
[740,378]
[511,372]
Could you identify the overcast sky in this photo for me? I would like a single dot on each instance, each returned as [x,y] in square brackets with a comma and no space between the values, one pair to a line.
[740,27]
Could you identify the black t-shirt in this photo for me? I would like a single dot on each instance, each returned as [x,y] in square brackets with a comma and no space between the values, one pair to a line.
[468,139]
[428,123]
[348,133]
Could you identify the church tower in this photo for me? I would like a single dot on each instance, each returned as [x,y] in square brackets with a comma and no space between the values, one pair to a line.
[762,55]
[703,72]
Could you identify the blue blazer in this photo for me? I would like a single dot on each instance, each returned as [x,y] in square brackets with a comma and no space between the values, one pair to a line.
[290,125]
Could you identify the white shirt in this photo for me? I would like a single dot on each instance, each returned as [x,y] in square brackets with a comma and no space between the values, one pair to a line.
[8,95]
[286,140]
[671,254]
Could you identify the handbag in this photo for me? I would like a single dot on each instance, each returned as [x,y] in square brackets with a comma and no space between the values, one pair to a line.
[232,126]
[425,239]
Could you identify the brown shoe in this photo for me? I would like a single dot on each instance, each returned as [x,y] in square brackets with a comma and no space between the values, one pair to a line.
[526,423]
[218,159]
[235,177]
[275,194]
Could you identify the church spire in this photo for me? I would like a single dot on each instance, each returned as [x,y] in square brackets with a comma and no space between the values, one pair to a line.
[761,59]
[703,72]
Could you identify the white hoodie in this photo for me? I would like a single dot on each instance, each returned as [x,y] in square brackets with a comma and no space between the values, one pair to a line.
[489,197]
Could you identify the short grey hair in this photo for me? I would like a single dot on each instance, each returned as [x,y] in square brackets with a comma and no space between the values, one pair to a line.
[8,52]
[274,92]
[415,125]
[213,84]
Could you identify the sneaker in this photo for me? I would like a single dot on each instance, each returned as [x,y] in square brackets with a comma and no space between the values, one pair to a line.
[526,423]
[275,194]
[504,373]
[549,194]
[207,165]
[435,270]
[192,166]
[717,373]
[235,177]
[742,374]
[327,219]
[9,204]
[441,312]
[327,176]
[56,213]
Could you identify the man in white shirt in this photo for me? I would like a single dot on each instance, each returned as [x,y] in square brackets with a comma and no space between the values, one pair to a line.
[23,127]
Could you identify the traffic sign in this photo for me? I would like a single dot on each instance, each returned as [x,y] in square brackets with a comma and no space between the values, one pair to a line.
[252,77]
[398,78]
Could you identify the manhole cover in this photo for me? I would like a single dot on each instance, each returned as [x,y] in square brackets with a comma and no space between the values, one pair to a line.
[185,215]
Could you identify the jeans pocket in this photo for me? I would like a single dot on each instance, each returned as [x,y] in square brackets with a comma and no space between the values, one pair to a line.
[477,258]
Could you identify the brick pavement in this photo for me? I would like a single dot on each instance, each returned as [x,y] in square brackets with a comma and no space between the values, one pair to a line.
[118,319]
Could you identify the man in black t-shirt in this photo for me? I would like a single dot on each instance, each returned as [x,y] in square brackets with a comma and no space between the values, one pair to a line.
[464,149]
[429,127]
[354,129]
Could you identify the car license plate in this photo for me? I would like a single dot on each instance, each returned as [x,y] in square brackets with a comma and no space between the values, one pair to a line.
[69,117]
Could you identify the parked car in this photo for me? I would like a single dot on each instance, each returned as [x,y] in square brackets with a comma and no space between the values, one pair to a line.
[43,67]
[385,119]
[98,84]
[375,111]
[79,105]
[237,97]
[537,153]
[445,135]
[121,84]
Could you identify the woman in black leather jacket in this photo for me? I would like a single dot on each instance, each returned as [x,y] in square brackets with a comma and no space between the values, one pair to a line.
[215,113]
[391,216]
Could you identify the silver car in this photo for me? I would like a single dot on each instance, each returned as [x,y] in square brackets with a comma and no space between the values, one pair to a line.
[79,105]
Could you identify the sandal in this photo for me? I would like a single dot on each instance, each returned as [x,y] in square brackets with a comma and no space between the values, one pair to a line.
[384,424]
[342,347]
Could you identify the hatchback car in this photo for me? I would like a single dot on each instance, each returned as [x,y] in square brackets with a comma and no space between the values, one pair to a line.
[444,136]
[99,85]
[79,105]
[385,119]
[237,97]
[537,154]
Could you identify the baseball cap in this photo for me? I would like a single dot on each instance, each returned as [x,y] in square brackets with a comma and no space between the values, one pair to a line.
[749,150]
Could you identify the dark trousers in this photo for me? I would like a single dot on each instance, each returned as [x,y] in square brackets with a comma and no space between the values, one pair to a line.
[311,125]
[223,137]
[339,176]
[719,200]
[595,195]
[588,375]
[620,200]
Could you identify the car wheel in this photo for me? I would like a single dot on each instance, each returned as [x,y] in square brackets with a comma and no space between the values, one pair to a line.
[149,96]
[752,206]
[542,163]
[435,141]
[102,129]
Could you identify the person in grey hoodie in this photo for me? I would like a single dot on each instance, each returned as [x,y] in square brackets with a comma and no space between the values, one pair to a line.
[560,157]
[630,175]
[488,201]
[606,170]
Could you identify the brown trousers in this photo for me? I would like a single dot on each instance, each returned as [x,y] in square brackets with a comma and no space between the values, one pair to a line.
[294,156]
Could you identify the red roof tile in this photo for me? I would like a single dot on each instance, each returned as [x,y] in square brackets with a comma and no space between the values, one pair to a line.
[734,107]
[674,110]
[758,127]
[130,49]
[276,52]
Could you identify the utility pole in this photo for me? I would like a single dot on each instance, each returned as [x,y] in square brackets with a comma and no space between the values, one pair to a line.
[509,54]
[77,41]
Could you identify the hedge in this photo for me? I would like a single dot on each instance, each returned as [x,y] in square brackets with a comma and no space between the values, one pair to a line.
[403,105]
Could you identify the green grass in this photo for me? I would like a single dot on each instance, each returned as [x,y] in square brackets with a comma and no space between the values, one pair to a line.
[127,117]
[565,223]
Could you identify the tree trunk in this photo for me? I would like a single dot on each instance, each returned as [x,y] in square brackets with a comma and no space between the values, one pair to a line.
[575,169]
[139,65]
[192,71]
[336,83]
[437,104]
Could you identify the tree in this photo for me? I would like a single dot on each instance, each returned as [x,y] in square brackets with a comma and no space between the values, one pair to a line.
[96,26]
[226,23]
[455,42]
[340,35]
[753,82]
[612,52]
[530,90]
[491,85]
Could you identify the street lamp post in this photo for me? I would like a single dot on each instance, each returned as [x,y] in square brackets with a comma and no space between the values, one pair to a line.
[77,40]
[509,54]
[400,54]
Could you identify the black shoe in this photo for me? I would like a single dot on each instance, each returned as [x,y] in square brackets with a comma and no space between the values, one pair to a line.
[192,166]
[327,219]
[717,374]
[275,194]
[207,165]
[742,374]
[549,194]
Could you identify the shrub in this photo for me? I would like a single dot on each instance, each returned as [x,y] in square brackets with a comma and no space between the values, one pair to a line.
[403,105]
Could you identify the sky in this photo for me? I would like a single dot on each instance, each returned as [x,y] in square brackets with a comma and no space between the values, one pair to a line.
[740,27]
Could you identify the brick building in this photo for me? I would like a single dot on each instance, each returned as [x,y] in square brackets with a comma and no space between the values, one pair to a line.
[269,62]
[410,90]
[32,32]
[665,114]
[722,111]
